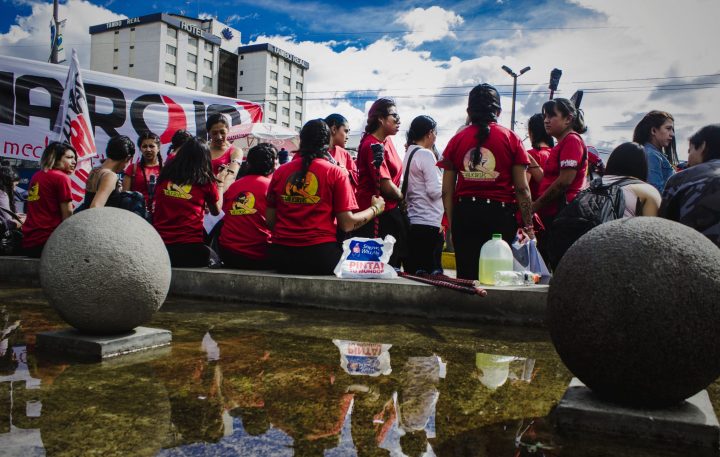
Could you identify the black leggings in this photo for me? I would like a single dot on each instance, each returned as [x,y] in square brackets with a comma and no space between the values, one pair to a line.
[425,244]
[34,252]
[233,260]
[474,223]
[191,255]
[318,259]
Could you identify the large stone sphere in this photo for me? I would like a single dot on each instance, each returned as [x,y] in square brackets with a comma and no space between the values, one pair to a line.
[634,311]
[105,271]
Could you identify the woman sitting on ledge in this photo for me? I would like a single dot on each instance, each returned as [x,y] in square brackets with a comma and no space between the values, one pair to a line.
[304,200]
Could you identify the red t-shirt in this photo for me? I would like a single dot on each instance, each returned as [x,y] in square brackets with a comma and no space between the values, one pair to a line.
[345,160]
[244,230]
[47,190]
[224,159]
[540,156]
[179,211]
[305,217]
[391,169]
[570,153]
[140,178]
[492,176]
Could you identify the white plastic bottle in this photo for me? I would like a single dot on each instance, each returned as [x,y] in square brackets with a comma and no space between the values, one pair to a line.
[516,278]
[495,256]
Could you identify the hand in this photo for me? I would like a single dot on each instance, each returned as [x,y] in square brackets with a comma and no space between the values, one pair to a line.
[378,202]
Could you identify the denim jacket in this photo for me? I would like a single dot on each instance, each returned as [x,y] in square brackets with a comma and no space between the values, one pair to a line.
[659,168]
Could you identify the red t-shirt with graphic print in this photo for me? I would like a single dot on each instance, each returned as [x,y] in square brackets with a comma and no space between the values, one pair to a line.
[391,169]
[244,230]
[47,190]
[179,211]
[569,153]
[306,216]
[492,176]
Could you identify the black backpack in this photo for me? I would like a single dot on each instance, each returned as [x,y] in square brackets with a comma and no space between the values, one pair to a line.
[597,204]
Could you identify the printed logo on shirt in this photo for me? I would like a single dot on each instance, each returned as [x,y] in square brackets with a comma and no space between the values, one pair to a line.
[568,164]
[243,204]
[306,195]
[485,168]
[175,191]
[34,193]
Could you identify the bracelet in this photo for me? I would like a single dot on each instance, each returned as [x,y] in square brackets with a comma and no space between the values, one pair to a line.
[374,210]
[379,211]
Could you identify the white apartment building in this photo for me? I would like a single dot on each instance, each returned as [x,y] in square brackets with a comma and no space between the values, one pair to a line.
[275,78]
[204,55]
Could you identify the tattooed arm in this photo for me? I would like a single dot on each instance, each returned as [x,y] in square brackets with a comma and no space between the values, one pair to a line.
[349,221]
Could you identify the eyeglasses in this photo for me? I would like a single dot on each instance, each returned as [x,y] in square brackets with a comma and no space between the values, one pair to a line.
[395,116]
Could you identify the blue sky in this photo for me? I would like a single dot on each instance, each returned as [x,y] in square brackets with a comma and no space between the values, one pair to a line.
[629,55]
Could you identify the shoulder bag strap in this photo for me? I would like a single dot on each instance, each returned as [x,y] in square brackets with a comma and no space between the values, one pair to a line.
[12,214]
[407,171]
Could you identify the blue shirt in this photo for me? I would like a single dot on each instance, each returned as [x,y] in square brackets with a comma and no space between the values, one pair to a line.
[659,168]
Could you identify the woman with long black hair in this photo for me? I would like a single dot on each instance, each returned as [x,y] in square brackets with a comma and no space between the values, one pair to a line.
[305,198]
[49,199]
[103,184]
[245,236]
[185,188]
[484,182]
[383,122]
[223,154]
[339,129]
[656,133]
[541,143]
[142,176]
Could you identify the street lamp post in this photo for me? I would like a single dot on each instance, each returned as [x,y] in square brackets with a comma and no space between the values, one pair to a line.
[54,52]
[514,77]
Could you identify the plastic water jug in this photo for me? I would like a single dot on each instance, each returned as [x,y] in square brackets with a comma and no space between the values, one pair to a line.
[495,256]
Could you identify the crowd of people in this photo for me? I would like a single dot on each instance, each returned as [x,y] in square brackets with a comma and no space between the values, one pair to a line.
[292,217]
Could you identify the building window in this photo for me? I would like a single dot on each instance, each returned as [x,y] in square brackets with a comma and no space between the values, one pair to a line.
[192,58]
[132,29]
[241,88]
[208,64]
[170,68]
[132,65]
[298,101]
[298,85]
[117,32]
[285,124]
[242,72]
[299,71]
[274,60]
[242,57]
[297,129]
[132,47]
[170,49]
[298,116]
[286,95]
[207,82]
[272,121]
[169,83]
[273,90]
[273,107]
[193,42]
[115,68]
[191,76]
[286,65]
[116,49]
[286,80]
[286,112]
[273,75]
[171,32]
[208,46]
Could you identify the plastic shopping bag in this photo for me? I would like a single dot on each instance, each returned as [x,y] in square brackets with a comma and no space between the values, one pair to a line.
[527,257]
[366,258]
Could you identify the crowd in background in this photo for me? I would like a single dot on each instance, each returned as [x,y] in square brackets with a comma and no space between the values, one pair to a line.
[292,217]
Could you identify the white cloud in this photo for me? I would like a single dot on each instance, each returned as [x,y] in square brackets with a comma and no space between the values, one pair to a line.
[30,36]
[431,24]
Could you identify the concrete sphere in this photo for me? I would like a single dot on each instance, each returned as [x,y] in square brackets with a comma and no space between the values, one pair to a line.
[634,311]
[105,271]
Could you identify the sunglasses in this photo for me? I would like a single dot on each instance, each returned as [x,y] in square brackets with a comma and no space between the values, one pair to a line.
[395,116]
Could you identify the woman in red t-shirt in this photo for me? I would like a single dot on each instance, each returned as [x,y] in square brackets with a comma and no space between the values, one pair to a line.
[566,166]
[339,129]
[178,139]
[49,200]
[185,188]
[382,123]
[542,143]
[142,175]
[304,199]
[224,155]
[245,236]
[484,181]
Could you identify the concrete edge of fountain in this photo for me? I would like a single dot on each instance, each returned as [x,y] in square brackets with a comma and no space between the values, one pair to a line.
[523,305]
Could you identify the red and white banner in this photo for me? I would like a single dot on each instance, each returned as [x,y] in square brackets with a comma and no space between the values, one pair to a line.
[73,126]
[31,94]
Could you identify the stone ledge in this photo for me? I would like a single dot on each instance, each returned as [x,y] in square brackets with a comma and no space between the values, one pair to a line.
[512,305]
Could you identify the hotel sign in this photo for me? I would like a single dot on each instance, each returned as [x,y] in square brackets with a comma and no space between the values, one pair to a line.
[286,55]
[157,17]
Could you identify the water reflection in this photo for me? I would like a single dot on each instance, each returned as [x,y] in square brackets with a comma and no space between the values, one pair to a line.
[360,358]
[494,370]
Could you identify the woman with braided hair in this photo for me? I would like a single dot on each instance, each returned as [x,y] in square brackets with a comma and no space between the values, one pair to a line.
[339,128]
[484,182]
[305,198]
[244,236]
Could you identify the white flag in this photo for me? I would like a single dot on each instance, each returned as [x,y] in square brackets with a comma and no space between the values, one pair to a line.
[73,126]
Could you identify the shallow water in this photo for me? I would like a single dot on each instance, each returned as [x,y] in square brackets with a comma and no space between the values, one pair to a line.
[251,380]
